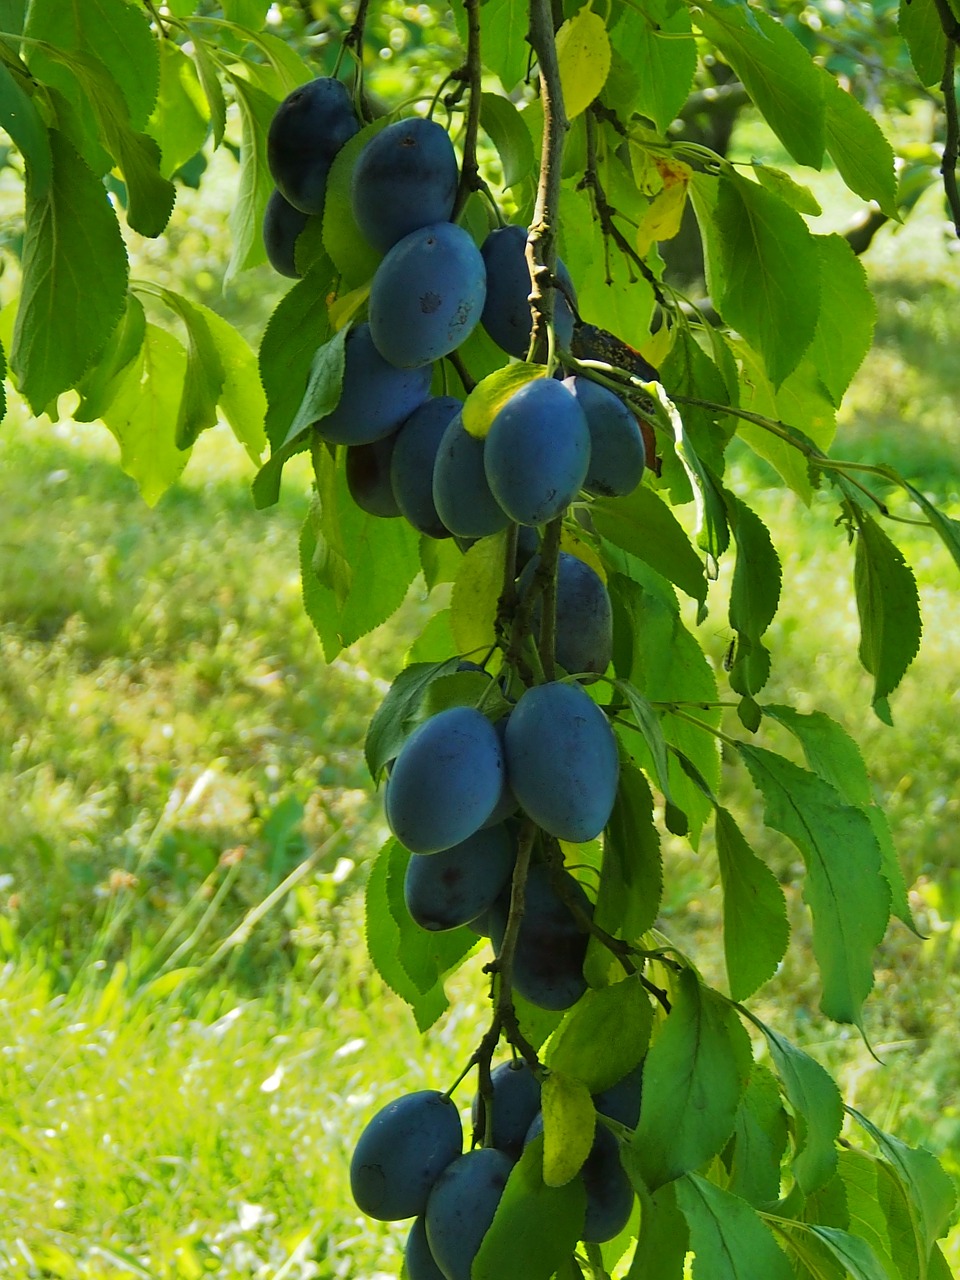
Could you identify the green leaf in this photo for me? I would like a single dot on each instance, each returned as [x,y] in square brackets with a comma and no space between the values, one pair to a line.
[583,56]
[503,53]
[114,33]
[631,879]
[931,1190]
[204,378]
[817,1105]
[323,386]
[297,329]
[854,1255]
[664,1239]
[242,400]
[889,607]
[100,384]
[3,389]
[689,371]
[859,147]
[776,70]
[848,314]
[246,13]
[355,568]
[650,728]
[21,120]
[860,1174]
[644,525]
[922,29]
[844,886]
[667,63]
[787,189]
[832,753]
[946,528]
[143,414]
[426,955]
[759,1140]
[207,70]
[505,127]
[604,1035]
[181,116]
[398,713]
[754,595]
[569,1122]
[755,929]
[694,1075]
[476,591]
[74,279]
[771,270]
[351,253]
[728,1237]
[535,1227]
[490,395]
[256,183]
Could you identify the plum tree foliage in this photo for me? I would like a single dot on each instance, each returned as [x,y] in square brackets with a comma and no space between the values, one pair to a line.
[492,367]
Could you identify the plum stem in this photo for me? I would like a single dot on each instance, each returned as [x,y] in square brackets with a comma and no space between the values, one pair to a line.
[547,574]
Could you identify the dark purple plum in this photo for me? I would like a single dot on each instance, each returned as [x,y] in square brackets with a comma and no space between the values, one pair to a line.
[461,1208]
[308,129]
[460,490]
[507,805]
[282,223]
[515,1103]
[537,452]
[411,471]
[446,889]
[405,178]
[622,1100]
[446,781]
[609,1191]
[418,1259]
[427,295]
[402,1152]
[376,397]
[551,945]
[617,453]
[506,312]
[562,761]
[584,638]
[368,476]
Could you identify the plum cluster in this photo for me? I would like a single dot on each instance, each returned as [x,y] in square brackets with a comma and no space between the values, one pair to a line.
[409,1163]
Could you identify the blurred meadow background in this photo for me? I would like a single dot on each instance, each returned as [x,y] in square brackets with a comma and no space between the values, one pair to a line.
[191,1035]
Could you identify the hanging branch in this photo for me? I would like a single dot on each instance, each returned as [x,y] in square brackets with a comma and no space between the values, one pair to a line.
[948,86]
[472,73]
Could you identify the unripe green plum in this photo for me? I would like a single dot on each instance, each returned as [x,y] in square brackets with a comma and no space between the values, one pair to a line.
[446,781]
[584,630]
[411,470]
[282,224]
[562,761]
[460,490]
[405,178]
[446,889]
[551,943]
[617,452]
[427,295]
[368,476]
[307,130]
[537,452]
[461,1208]
[506,312]
[401,1154]
[376,397]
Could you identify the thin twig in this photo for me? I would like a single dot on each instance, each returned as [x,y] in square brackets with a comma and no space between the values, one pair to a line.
[470,171]
[951,145]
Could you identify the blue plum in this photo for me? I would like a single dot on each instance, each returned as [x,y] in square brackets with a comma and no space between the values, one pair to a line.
[622,1100]
[584,635]
[551,945]
[405,178]
[308,129]
[282,223]
[419,1261]
[537,452]
[460,490]
[461,1208]
[446,889]
[507,805]
[617,453]
[506,312]
[402,1152]
[446,780]
[515,1103]
[376,397]
[368,476]
[427,295]
[562,761]
[609,1191]
[411,471]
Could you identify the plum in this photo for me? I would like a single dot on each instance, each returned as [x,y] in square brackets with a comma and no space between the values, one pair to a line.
[402,1152]
[419,1262]
[506,312]
[461,1208]
[515,1103]
[460,491]
[368,476]
[376,397]
[405,178]
[622,1100]
[308,129]
[446,889]
[617,452]
[282,223]
[411,470]
[584,633]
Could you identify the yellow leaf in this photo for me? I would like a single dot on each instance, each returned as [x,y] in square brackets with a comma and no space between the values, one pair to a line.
[583,52]
[569,1121]
[656,349]
[662,219]
[492,392]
